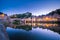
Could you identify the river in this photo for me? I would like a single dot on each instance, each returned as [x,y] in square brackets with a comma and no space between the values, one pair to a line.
[34,33]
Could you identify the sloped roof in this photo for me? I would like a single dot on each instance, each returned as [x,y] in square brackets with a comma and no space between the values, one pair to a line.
[1,13]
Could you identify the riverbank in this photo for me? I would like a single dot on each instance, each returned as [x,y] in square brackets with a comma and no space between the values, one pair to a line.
[3,33]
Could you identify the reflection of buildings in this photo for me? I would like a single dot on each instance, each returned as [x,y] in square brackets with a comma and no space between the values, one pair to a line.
[43,24]
[25,27]
[38,21]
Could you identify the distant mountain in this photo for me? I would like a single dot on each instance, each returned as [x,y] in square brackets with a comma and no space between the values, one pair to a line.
[23,15]
[57,11]
[28,14]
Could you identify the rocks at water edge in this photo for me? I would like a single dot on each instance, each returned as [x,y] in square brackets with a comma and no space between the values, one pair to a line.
[3,33]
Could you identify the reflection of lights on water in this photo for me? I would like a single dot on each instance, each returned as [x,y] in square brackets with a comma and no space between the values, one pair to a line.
[48,25]
[33,24]
[29,23]
[42,24]
[33,20]
[38,24]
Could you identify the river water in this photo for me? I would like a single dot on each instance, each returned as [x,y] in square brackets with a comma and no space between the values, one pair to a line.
[34,33]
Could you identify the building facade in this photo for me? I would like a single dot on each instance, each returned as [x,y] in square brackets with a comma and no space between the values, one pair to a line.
[3,17]
[37,20]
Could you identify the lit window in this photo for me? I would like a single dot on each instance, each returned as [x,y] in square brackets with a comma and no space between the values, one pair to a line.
[3,15]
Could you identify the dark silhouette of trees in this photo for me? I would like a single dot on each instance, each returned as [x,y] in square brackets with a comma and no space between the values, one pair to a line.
[24,15]
[16,22]
[57,11]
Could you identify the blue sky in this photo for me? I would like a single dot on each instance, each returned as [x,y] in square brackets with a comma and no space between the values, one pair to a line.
[36,7]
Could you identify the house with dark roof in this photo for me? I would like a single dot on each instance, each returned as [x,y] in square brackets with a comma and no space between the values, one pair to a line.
[3,17]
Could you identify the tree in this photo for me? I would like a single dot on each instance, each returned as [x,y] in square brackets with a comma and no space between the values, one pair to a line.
[16,22]
[58,11]
[23,15]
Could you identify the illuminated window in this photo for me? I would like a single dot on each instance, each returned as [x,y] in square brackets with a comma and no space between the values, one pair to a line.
[47,18]
[3,15]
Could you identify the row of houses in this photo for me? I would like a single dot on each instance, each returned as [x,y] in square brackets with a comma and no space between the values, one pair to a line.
[30,20]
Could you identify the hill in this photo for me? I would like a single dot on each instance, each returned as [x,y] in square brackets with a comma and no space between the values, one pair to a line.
[57,11]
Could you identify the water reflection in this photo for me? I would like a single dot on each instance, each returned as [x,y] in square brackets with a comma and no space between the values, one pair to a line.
[45,31]
[42,24]
[51,26]
[25,27]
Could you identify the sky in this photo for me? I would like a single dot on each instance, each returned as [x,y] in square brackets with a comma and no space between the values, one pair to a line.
[36,7]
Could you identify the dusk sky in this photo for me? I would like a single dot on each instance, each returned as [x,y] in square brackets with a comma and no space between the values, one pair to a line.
[36,7]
